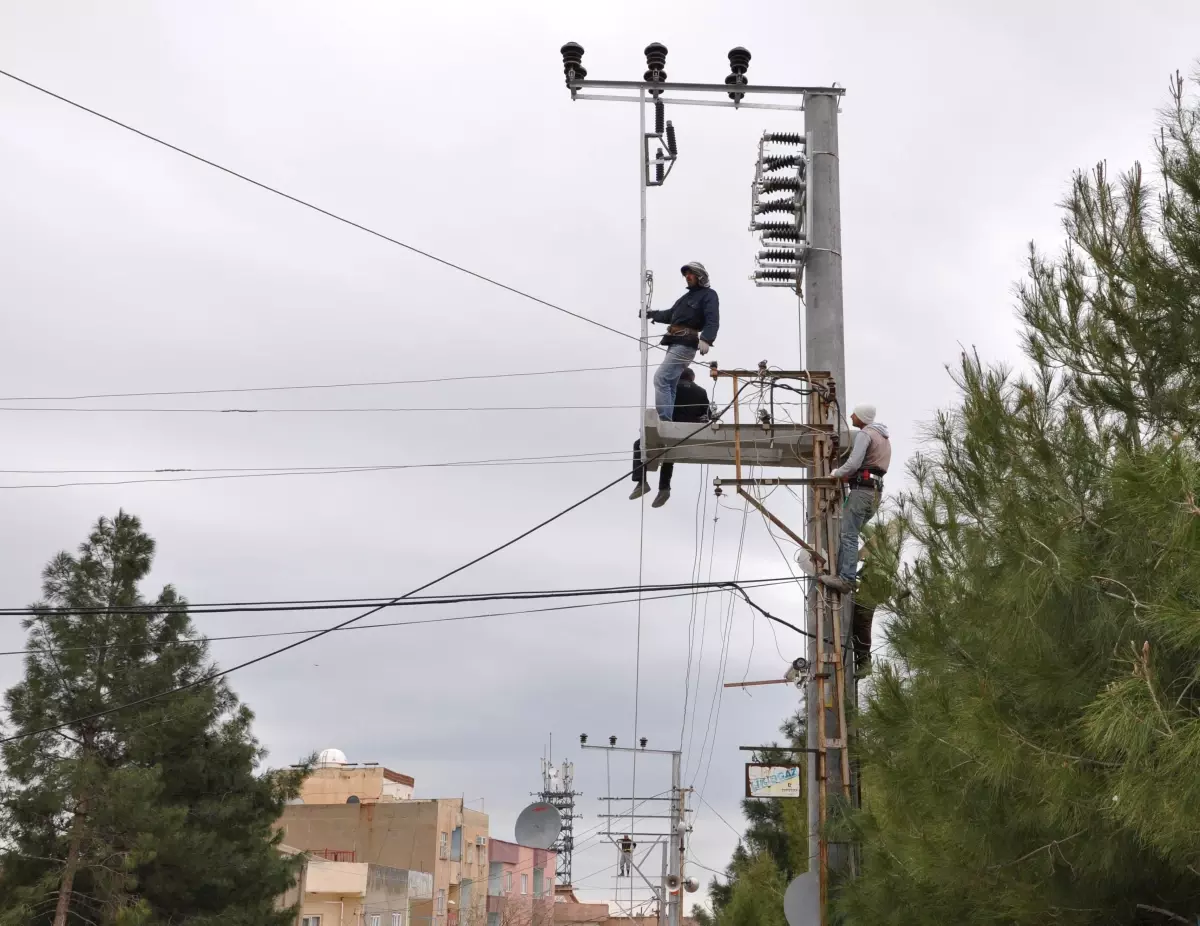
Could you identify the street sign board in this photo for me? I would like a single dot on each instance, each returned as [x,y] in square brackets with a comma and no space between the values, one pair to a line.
[773,780]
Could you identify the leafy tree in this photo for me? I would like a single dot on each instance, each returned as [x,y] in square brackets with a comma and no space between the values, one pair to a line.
[149,815]
[1030,749]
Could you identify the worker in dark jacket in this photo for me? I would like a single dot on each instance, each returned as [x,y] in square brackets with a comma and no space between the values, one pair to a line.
[692,324]
[691,404]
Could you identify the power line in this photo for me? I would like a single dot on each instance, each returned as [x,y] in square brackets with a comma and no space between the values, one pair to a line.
[90,410]
[309,386]
[213,676]
[315,208]
[330,604]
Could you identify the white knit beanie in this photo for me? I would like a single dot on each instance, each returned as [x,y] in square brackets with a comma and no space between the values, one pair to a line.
[865,413]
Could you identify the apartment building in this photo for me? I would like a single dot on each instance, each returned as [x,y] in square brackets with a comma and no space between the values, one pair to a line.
[520,885]
[364,813]
[332,891]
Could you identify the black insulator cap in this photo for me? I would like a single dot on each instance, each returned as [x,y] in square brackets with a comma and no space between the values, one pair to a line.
[572,54]
[784,160]
[671,146]
[660,113]
[779,184]
[739,61]
[786,230]
[643,741]
[612,741]
[658,167]
[582,738]
[775,275]
[784,138]
[656,61]
[777,205]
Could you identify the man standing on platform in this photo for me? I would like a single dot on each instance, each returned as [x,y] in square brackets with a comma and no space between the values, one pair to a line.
[692,324]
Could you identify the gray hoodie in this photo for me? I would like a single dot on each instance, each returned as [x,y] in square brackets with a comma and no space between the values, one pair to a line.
[872,450]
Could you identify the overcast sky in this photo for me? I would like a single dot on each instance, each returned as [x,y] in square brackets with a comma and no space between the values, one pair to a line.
[126,267]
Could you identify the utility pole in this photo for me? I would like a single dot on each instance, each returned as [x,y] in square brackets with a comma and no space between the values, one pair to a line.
[668,892]
[801,252]
[825,350]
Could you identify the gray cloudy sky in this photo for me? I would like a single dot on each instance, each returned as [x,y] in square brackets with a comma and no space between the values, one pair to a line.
[126,267]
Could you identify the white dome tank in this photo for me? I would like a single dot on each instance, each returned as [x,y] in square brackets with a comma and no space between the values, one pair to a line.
[330,758]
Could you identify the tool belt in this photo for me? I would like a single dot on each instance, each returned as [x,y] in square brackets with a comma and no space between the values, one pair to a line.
[866,479]
[682,330]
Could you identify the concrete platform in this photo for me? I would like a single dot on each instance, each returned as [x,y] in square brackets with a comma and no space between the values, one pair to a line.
[782,444]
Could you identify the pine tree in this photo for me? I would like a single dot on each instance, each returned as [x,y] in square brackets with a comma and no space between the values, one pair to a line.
[1031,749]
[773,849]
[150,815]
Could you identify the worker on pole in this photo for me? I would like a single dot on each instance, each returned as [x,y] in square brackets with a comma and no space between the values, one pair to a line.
[627,847]
[863,472]
[691,404]
[692,324]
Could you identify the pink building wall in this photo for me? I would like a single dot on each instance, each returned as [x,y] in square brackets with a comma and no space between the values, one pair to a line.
[520,884]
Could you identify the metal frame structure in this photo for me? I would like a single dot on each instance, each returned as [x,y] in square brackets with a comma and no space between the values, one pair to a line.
[559,792]
[668,891]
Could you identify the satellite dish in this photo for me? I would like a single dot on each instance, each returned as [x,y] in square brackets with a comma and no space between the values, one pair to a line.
[802,900]
[538,826]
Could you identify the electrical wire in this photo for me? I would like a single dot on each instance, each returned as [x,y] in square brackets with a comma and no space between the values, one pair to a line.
[315,208]
[309,386]
[698,531]
[703,634]
[723,662]
[151,410]
[213,676]
[330,604]
[205,640]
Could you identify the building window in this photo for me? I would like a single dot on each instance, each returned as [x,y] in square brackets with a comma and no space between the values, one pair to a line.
[493,919]
[508,882]
[443,845]
[441,901]
[397,919]
[481,852]
[524,884]
[375,921]
[539,878]
[310,921]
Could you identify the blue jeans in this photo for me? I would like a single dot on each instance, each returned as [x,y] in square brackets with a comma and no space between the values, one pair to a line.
[666,378]
[859,508]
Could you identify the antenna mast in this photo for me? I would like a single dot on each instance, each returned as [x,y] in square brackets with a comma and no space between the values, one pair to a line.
[558,790]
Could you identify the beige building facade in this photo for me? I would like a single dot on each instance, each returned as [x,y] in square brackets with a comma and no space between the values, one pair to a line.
[367,814]
[342,893]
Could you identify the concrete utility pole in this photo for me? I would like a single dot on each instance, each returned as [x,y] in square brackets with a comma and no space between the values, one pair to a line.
[803,251]
[825,349]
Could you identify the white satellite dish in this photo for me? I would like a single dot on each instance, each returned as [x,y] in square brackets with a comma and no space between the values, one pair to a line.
[538,826]
[802,900]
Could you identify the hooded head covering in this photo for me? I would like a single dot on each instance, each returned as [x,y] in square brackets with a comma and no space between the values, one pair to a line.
[865,413]
[697,268]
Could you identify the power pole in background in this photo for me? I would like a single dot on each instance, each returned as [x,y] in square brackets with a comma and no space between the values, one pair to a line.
[668,892]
